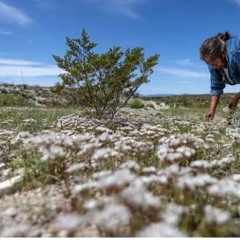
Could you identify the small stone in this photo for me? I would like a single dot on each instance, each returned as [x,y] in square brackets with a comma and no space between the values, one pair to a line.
[10,212]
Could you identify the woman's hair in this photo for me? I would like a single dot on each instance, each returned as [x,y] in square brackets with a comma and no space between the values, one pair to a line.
[214,47]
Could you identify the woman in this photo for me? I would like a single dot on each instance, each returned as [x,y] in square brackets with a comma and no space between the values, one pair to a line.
[222,54]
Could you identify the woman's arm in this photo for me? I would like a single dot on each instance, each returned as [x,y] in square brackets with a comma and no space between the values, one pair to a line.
[234,102]
[213,105]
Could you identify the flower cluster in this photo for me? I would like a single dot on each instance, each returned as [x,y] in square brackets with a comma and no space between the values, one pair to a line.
[145,174]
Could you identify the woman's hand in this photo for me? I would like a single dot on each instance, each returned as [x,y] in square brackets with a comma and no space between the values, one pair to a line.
[211,113]
[209,116]
[234,102]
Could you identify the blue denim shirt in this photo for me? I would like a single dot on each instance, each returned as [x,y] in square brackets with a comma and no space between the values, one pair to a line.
[233,63]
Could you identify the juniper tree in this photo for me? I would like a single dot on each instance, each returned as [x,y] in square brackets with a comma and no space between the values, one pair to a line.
[104,82]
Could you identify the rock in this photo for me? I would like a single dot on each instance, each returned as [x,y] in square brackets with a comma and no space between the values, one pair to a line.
[15,231]
[10,186]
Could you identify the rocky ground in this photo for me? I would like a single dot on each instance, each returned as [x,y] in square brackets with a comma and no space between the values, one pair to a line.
[31,95]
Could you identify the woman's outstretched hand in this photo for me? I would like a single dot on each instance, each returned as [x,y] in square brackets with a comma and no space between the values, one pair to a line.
[209,116]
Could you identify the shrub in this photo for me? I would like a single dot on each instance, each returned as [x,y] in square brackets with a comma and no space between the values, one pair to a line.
[136,103]
[104,82]
[11,100]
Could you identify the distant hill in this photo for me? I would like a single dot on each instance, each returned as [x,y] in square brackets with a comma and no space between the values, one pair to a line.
[27,95]
[156,95]
[187,100]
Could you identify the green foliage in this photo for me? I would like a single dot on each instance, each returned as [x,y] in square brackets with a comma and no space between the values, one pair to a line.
[11,100]
[13,119]
[136,103]
[38,173]
[104,82]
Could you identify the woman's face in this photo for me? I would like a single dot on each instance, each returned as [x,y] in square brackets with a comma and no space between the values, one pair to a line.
[217,63]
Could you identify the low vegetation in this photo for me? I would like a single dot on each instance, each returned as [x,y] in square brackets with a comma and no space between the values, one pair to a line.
[147,173]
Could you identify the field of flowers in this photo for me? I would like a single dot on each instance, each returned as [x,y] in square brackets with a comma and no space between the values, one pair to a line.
[148,173]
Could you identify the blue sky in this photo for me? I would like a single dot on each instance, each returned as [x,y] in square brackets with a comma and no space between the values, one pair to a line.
[31,31]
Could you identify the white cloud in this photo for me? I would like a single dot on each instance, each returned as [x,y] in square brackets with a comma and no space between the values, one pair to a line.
[4,61]
[185,62]
[124,7]
[19,67]
[236,2]
[27,71]
[13,15]
[47,5]
[6,33]
[182,72]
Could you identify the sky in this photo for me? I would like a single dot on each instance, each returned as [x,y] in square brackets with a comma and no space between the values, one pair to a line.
[31,31]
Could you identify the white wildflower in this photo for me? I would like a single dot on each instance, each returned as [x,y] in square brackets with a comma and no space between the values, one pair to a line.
[103,129]
[150,169]
[41,140]
[186,151]
[6,133]
[9,121]
[141,148]
[171,151]
[76,167]
[173,156]
[159,230]
[75,141]
[154,179]
[174,142]
[2,165]
[104,153]
[91,204]
[222,162]
[20,230]
[68,221]
[29,121]
[88,148]
[223,187]
[193,182]
[215,215]
[19,137]
[102,174]
[173,213]
[226,109]
[132,165]
[236,177]
[107,138]
[112,218]
[122,147]
[138,197]
[84,187]
[53,152]
[117,180]
[170,171]
[200,164]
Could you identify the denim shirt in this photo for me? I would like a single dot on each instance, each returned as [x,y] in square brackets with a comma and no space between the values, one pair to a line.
[218,80]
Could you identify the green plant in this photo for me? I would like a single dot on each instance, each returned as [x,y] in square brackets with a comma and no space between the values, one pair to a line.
[104,82]
[13,118]
[9,99]
[136,103]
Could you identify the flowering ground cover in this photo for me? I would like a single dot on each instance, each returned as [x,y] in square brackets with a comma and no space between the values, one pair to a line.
[148,173]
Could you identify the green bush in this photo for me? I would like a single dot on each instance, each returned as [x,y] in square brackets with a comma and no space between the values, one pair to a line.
[136,103]
[103,82]
[11,100]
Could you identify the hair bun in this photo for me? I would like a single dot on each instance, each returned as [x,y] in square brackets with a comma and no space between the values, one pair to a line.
[224,36]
